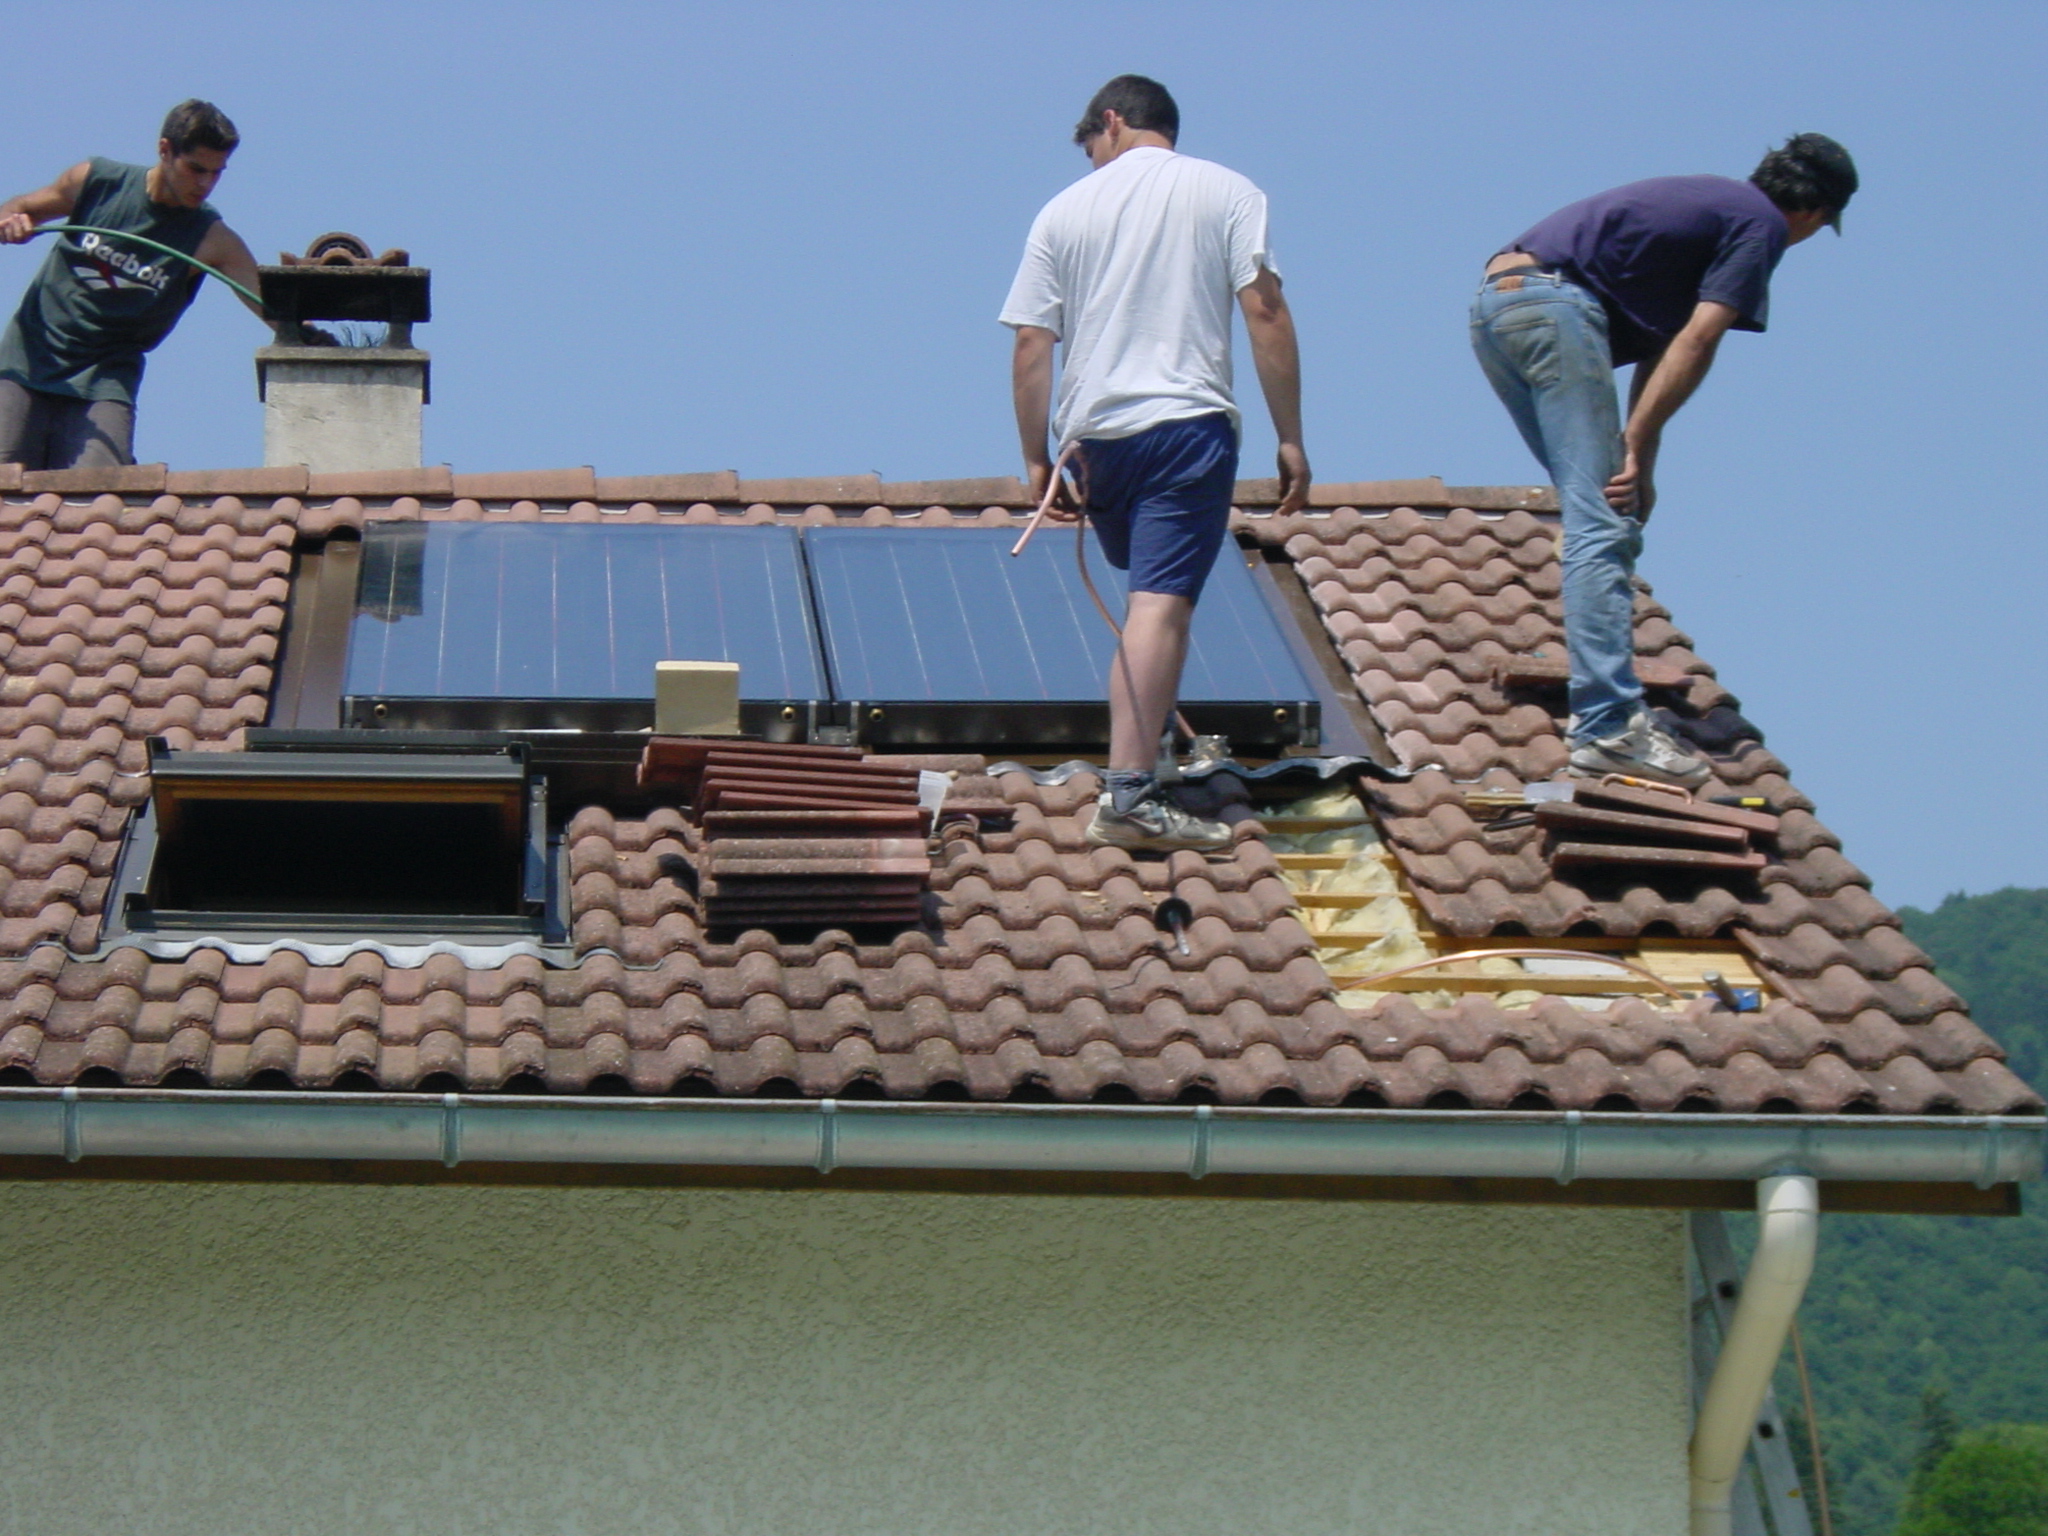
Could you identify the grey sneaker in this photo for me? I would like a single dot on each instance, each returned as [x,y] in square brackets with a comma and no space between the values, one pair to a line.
[1155,826]
[1643,751]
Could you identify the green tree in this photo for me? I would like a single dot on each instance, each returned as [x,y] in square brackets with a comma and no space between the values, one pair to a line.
[1902,1302]
[1987,1485]
[1937,1432]
[1990,949]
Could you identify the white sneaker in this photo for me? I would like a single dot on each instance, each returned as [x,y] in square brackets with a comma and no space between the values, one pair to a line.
[1643,751]
[1154,825]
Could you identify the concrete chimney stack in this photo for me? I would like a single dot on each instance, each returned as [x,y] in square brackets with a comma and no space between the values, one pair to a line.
[343,407]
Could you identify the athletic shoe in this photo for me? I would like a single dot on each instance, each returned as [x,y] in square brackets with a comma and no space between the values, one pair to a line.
[1643,751]
[1154,825]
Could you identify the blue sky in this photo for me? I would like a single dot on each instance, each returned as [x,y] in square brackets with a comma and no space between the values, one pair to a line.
[774,238]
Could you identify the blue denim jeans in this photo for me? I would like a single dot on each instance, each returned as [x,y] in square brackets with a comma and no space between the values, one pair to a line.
[1543,345]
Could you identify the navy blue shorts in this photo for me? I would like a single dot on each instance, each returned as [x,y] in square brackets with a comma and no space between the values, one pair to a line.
[1160,500]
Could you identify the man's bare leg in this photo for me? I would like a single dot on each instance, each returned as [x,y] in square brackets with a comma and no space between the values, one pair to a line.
[1144,683]
[1144,678]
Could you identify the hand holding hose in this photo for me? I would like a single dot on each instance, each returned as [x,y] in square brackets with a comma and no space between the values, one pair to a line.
[1051,492]
[1057,501]
[15,228]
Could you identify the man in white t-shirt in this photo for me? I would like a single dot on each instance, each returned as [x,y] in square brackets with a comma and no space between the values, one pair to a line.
[1131,273]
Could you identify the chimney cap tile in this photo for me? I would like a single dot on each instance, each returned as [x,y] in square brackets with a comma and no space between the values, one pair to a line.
[427,480]
[721,485]
[97,480]
[991,491]
[270,480]
[826,490]
[578,484]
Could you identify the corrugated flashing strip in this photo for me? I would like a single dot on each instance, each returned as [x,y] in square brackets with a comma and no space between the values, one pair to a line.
[1195,1141]
[1317,769]
[404,953]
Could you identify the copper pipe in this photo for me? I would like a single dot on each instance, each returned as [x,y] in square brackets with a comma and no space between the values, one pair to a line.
[1366,984]
[1080,500]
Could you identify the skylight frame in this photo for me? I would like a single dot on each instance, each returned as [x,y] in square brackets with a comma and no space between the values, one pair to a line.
[534,901]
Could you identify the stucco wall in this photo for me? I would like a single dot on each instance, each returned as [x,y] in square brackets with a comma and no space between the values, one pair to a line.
[342,409]
[222,1361]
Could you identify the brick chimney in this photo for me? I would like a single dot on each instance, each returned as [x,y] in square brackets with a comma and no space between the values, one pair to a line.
[343,407]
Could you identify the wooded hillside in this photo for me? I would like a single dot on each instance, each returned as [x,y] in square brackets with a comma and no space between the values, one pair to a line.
[1901,1303]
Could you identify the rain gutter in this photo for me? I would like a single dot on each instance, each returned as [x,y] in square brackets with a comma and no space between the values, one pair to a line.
[1198,1140]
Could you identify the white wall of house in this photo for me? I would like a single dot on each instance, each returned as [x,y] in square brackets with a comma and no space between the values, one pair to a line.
[263,1359]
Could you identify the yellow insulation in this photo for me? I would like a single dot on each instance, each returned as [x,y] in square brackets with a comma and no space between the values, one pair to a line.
[1398,934]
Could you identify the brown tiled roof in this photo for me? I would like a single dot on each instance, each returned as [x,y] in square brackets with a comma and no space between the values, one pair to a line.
[150,611]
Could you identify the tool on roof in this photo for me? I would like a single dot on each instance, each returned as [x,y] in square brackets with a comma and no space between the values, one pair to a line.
[1742,1000]
[155,245]
[1528,794]
[1631,782]
[1743,802]
[1173,916]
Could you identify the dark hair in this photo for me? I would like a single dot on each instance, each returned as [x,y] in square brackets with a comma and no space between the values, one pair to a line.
[1139,102]
[1811,171]
[197,124]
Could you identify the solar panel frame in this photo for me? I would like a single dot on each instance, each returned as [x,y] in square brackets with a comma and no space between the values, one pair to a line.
[926,637]
[490,626]
[938,635]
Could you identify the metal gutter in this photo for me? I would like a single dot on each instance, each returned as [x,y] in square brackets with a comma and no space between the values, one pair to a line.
[824,1134]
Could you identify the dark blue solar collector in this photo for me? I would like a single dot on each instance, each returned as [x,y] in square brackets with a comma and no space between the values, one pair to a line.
[937,636]
[531,626]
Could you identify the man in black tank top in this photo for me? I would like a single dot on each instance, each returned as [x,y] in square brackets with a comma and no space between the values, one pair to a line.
[71,359]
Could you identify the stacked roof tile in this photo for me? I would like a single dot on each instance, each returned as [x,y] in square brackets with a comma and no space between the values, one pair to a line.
[141,603]
[797,834]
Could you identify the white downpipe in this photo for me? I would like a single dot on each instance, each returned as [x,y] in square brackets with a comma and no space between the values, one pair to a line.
[1788,1230]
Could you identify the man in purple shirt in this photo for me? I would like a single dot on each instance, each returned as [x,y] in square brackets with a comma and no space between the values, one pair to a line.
[1654,274]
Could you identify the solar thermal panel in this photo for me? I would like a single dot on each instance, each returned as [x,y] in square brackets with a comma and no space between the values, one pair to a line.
[884,636]
[916,622]
[509,625]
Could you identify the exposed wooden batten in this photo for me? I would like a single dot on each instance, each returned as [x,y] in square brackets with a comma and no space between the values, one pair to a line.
[1301,826]
[1313,860]
[1678,962]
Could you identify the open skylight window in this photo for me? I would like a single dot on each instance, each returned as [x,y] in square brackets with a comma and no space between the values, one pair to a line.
[338,844]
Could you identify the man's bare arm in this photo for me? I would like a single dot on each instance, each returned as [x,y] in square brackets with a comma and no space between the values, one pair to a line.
[223,248]
[1031,388]
[1277,355]
[1654,398]
[19,216]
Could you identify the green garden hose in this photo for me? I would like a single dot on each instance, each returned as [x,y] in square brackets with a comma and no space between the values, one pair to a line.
[155,245]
